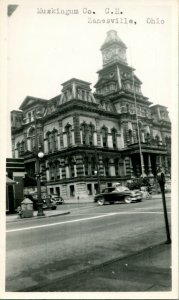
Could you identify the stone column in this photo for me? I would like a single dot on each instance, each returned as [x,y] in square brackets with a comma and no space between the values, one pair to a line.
[98,132]
[112,167]
[149,166]
[79,165]
[73,137]
[75,170]
[67,171]
[47,173]
[127,166]
[100,164]
[95,138]
[45,146]
[58,141]
[142,166]
[28,144]
[131,169]
[60,172]
[110,141]
[65,139]
[63,168]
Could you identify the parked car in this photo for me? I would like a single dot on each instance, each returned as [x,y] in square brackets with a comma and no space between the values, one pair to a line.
[112,195]
[46,200]
[58,199]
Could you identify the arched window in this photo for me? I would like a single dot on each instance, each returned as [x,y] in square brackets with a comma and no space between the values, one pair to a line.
[84,133]
[86,165]
[116,164]
[157,139]
[114,137]
[68,130]
[52,171]
[54,140]
[104,133]
[93,166]
[32,139]
[22,147]
[147,138]
[57,170]
[49,142]
[106,166]
[91,133]
[71,167]
[130,136]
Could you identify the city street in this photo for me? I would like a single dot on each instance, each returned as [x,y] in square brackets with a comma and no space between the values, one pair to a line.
[40,252]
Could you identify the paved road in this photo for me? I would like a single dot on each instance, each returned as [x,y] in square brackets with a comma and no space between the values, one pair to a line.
[43,250]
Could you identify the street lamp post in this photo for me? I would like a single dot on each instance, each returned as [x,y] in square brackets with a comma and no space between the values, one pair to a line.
[97,171]
[39,155]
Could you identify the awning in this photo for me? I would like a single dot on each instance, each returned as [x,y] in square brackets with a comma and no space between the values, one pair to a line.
[9,180]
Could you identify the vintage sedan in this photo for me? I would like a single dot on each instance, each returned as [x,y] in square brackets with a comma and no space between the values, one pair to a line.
[58,199]
[112,195]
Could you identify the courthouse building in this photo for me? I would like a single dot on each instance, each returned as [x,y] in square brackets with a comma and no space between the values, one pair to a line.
[91,139]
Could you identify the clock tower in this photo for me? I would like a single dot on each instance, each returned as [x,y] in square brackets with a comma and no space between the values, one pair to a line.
[113,49]
[116,75]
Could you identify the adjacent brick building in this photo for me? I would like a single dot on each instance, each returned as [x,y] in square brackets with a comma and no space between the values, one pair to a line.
[91,138]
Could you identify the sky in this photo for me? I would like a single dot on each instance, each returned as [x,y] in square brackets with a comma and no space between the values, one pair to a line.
[45,50]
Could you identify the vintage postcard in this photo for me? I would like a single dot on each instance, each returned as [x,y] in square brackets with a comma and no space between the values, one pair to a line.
[89,143]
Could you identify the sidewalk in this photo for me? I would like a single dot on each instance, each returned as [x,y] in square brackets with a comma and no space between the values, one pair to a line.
[146,271]
[149,270]
[48,213]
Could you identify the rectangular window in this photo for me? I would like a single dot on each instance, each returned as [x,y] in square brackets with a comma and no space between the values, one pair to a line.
[96,188]
[72,191]
[51,190]
[89,189]
[57,190]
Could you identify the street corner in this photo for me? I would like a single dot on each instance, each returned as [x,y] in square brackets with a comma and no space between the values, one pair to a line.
[47,214]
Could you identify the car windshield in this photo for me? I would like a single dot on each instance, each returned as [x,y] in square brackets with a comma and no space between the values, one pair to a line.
[108,190]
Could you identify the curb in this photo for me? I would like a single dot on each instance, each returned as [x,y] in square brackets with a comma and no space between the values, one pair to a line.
[38,217]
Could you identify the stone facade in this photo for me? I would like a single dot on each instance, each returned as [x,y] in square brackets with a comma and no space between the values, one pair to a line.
[91,139]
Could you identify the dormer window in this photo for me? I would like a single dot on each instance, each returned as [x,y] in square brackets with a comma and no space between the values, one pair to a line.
[114,138]
[29,117]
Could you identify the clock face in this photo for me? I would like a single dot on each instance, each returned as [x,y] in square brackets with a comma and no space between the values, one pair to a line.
[108,54]
[112,53]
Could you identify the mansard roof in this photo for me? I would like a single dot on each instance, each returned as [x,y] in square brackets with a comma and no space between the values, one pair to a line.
[76,80]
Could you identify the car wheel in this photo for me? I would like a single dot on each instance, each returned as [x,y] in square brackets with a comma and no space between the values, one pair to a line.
[111,202]
[127,199]
[101,201]
[54,207]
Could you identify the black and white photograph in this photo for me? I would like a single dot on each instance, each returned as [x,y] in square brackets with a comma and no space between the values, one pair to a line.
[89,135]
